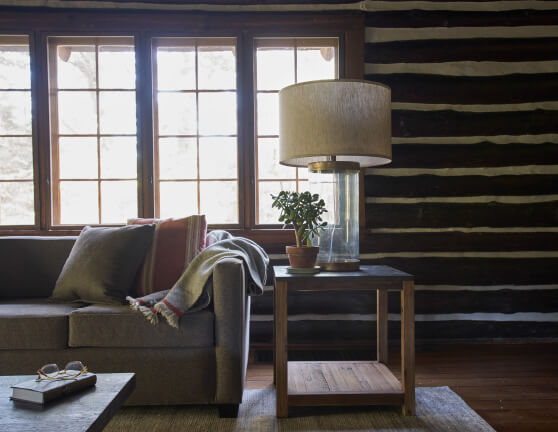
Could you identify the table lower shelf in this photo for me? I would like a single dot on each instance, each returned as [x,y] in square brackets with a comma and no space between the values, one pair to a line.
[342,383]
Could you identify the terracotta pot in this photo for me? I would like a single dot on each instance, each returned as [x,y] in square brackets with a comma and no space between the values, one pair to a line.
[302,257]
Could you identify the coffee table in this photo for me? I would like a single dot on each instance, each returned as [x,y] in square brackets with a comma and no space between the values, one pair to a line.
[88,410]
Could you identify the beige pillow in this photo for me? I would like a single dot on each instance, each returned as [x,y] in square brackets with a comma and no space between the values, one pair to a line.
[103,263]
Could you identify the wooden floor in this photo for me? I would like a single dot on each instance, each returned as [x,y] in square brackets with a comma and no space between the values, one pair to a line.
[513,386]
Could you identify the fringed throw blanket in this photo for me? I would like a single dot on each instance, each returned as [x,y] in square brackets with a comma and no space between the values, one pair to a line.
[193,291]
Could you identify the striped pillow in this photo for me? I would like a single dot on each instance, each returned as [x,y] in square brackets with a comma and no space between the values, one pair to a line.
[175,244]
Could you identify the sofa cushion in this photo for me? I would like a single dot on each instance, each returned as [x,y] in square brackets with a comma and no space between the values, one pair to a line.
[120,326]
[33,324]
[31,265]
[176,243]
[103,264]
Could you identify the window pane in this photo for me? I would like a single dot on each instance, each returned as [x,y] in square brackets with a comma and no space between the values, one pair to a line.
[78,157]
[79,202]
[118,201]
[275,68]
[75,67]
[15,72]
[267,214]
[16,158]
[16,203]
[268,161]
[118,112]
[176,68]
[177,158]
[219,201]
[218,158]
[15,113]
[178,199]
[217,68]
[217,113]
[268,114]
[77,112]
[177,114]
[119,158]
[117,67]
[315,64]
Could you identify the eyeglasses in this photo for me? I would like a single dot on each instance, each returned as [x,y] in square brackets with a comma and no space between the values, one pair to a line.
[71,371]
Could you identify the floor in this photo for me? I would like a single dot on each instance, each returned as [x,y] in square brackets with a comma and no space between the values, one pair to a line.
[513,386]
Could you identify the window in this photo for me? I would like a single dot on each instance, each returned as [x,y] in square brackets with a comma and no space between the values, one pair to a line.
[195,128]
[279,63]
[110,115]
[16,149]
[93,130]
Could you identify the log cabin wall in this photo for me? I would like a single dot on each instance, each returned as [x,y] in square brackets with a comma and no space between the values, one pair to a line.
[469,204]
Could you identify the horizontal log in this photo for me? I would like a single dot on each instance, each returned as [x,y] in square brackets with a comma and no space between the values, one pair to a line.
[426,302]
[475,271]
[323,332]
[458,241]
[473,155]
[434,215]
[478,49]
[407,123]
[452,186]
[422,88]
[422,18]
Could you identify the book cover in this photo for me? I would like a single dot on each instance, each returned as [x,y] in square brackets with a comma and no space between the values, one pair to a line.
[41,392]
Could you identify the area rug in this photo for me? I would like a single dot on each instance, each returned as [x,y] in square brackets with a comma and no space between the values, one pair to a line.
[438,409]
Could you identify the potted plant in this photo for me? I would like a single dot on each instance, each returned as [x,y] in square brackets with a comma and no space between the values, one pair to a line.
[303,211]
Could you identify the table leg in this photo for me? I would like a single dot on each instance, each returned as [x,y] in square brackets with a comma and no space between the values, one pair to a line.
[408,347]
[382,326]
[281,372]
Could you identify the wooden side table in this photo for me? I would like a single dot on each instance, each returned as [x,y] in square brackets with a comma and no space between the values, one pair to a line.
[318,383]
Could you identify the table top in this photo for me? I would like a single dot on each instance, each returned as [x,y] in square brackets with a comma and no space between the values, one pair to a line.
[88,410]
[366,272]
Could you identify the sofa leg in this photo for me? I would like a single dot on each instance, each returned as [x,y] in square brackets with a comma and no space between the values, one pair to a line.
[228,410]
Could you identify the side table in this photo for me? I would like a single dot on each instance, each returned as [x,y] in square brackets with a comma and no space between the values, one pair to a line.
[319,383]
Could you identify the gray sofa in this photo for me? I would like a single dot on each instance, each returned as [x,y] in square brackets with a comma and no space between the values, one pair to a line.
[203,362]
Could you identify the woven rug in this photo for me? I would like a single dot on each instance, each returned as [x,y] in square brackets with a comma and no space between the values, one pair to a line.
[438,409]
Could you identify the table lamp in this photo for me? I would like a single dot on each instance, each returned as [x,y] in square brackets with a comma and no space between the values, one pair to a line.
[336,127]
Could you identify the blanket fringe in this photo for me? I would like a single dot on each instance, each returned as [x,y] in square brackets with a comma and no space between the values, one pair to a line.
[169,315]
[149,314]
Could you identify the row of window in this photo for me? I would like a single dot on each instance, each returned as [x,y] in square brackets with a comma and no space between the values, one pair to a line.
[93,107]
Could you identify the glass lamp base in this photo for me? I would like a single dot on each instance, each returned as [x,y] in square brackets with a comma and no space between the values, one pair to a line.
[340,266]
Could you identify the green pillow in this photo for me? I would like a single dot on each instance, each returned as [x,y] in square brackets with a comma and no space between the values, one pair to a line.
[103,264]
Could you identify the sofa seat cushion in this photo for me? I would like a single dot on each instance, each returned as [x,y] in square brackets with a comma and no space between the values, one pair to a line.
[33,324]
[120,326]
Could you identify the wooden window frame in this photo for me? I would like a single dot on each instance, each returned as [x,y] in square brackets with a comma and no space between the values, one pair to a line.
[144,26]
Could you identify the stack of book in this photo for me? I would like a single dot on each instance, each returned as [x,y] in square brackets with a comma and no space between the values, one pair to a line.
[41,392]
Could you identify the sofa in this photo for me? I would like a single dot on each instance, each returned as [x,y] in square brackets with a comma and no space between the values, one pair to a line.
[202,362]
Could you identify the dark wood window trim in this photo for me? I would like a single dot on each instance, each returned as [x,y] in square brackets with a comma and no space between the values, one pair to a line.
[143,26]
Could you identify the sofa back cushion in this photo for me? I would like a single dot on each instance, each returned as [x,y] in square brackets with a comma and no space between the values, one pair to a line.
[30,265]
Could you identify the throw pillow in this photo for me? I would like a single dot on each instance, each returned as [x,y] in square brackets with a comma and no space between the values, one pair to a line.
[102,264]
[176,242]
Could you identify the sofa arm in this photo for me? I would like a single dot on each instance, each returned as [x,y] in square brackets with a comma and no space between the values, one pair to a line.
[232,330]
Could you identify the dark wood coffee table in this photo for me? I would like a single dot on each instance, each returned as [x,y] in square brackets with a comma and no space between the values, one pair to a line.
[88,410]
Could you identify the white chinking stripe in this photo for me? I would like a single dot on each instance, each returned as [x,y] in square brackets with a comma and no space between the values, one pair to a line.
[507,254]
[380,34]
[469,254]
[464,68]
[478,288]
[480,139]
[475,316]
[462,230]
[367,5]
[476,108]
[458,172]
[516,199]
